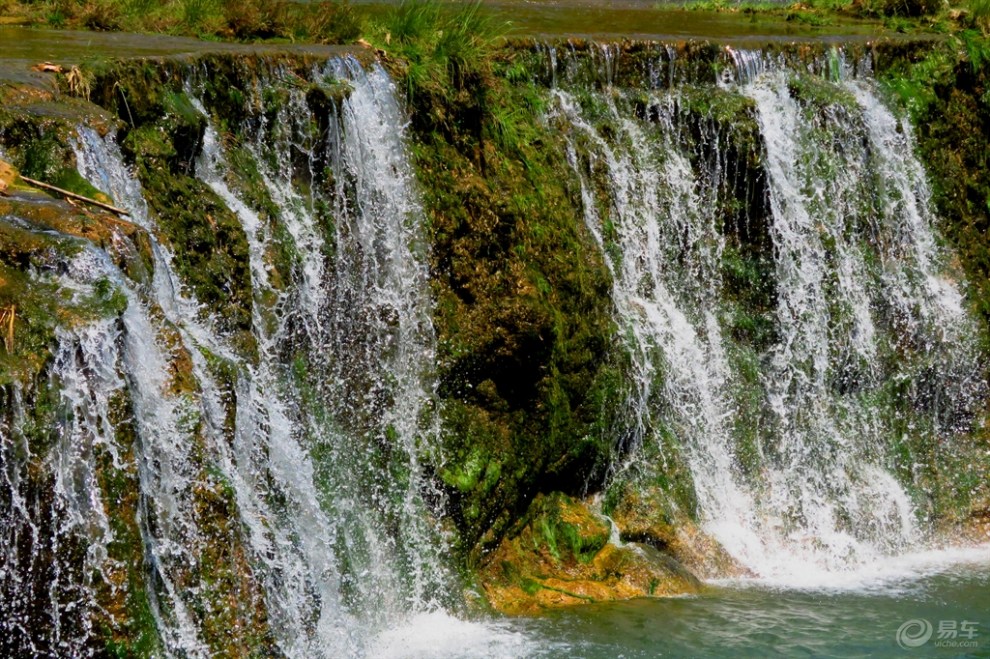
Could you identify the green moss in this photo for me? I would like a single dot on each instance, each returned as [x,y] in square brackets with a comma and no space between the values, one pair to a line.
[565,530]
[126,623]
[210,256]
[465,474]
[728,108]
[528,365]
[206,238]
[750,295]
[150,141]
[816,92]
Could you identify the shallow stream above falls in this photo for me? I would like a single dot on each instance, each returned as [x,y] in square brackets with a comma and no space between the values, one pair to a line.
[237,438]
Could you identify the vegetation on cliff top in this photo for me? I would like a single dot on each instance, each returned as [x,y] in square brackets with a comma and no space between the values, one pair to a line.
[324,21]
[336,21]
[900,15]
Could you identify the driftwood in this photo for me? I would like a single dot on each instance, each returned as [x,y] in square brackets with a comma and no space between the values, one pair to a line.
[78,197]
[48,67]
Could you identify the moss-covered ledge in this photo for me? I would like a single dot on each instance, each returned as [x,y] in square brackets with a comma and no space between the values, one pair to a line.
[560,554]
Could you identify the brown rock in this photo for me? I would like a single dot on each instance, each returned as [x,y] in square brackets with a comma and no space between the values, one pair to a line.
[562,556]
[8,175]
[644,515]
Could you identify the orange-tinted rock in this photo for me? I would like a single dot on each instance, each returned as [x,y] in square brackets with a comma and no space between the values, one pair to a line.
[562,556]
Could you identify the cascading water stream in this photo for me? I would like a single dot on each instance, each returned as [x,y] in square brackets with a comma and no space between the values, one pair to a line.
[836,199]
[826,442]
[267,442]
[371,307]
[657,212]
[85,369]
[299,462]
[165,422]
[361,318]
[844,194]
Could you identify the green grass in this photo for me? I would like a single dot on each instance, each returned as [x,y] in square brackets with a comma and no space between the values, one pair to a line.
[325,21]
[444,48]
[819,7]
[979,9]
[896,15]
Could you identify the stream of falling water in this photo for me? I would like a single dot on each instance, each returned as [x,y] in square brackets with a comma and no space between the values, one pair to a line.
[363,314]
[308,449]
[858,274]
[680,369]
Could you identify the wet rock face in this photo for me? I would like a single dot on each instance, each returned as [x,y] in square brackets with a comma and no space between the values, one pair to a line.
[527,362]
[644,515]
[561,555]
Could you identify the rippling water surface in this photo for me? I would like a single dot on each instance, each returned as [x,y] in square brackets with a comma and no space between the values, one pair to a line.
[854,617]
[857,615]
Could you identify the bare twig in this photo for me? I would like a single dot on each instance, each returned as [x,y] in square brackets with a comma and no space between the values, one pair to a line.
[73,195]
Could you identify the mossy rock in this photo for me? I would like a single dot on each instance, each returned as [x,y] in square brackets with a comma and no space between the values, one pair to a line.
[47,234]
[527,360]
[645,515]
[41,151]
[560,555]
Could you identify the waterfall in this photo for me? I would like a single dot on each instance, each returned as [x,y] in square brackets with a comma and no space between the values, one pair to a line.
[84,367]
[862,298]
[831,492]
[329,422]
[366,325]
[681,375]
[793,333]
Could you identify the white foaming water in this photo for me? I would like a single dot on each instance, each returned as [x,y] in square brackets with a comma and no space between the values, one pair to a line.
[165,423]
[372,313]
[657,216]
[385,228]
[438,634]
[93,364]
[891,575]
[827,491]
[293,552]
[280,142]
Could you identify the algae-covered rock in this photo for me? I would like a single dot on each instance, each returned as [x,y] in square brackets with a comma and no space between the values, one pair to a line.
[528,367]
[645,515]
[561,555]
